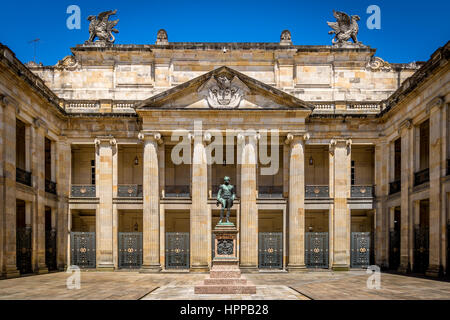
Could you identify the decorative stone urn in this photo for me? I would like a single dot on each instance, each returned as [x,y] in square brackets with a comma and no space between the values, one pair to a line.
[225,276]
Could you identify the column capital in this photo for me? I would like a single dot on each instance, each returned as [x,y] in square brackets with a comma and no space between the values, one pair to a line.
[291,137]
[405,124]
[437,102]
[150,135]
[105,139]
[205,136]
[39,123]
[249,134]
[334,143]
[6,100]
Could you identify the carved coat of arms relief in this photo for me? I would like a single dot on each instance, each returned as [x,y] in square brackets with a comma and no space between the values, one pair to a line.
[223,93]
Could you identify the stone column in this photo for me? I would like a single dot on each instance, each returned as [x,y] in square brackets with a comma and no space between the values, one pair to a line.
[8,190]
[437,163]
[105,148]
[151,228]
[38,218]
[63,181]
[249,211]
[297,202]
[341,150]
[382,161]
[406,165]
[199,210]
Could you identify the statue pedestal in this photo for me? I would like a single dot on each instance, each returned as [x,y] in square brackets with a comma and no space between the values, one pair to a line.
[225,276]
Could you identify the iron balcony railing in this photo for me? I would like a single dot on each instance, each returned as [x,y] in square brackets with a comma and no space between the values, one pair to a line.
[23,176]
[129,191]
[421,177]
[270,192]
[83,191]
[362,191]
[316,191]
[181,191]
[50,186]
[395,186]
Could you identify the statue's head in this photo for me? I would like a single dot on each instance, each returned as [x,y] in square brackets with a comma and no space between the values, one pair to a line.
[90,18]
[356,17]
[226,180]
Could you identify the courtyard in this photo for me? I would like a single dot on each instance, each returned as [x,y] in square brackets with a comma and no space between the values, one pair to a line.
[326,285]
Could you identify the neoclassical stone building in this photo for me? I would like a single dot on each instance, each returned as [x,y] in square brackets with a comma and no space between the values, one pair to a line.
[88,177]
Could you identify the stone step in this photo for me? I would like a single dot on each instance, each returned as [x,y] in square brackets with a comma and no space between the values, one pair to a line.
[220,289]
[225,281]
[225,274]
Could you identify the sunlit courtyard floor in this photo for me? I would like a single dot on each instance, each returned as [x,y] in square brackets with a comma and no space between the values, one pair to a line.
[276,286]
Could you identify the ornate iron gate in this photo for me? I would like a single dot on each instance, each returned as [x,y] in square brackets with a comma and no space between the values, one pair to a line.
[360,246]
[83,249]
[316,253]
[421,249]
[130,249]
[394,250]
[50,249]
[448,249]
[270,250]
[23,250]
[177,250]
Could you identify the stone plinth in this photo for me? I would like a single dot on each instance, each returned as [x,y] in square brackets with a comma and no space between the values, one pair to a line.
[225,275]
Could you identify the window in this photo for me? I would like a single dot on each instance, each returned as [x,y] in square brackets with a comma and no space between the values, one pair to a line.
[397,159]
[353,172]
[92,171]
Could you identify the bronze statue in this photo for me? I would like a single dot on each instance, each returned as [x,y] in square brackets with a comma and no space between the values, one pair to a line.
[345,28]
[225,197]
[102,28]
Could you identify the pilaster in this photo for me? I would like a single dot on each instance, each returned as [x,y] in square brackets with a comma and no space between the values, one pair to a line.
[341,150]
[151,220]
[382,169]
[437,214]
[247,142]
[105,147]
[297,202]
[8,188]
[407,166]
[199,216]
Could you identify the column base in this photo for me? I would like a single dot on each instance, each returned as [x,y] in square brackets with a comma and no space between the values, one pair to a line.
[433,271]
[150,269]
[404,269]
[43,270]
[249,269]
[105,267]
[11,273]
[296,268]
[199,269]
[340,267]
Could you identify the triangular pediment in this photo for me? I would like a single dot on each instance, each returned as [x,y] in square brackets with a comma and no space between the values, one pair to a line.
[224,88]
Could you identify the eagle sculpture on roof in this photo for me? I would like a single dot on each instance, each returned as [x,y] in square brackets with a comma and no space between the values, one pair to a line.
[345,28]
[101,27]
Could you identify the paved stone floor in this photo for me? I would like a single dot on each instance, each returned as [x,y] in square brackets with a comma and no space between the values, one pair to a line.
[286,286]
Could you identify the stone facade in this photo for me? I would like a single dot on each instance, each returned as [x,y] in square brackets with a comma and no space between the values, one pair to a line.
[110,114]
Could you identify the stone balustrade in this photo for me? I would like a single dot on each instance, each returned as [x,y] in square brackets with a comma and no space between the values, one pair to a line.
[317,191]
[364,191]
[129,191]
[83,191]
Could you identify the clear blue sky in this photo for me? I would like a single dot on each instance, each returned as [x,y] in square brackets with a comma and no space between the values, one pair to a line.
[410,30]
